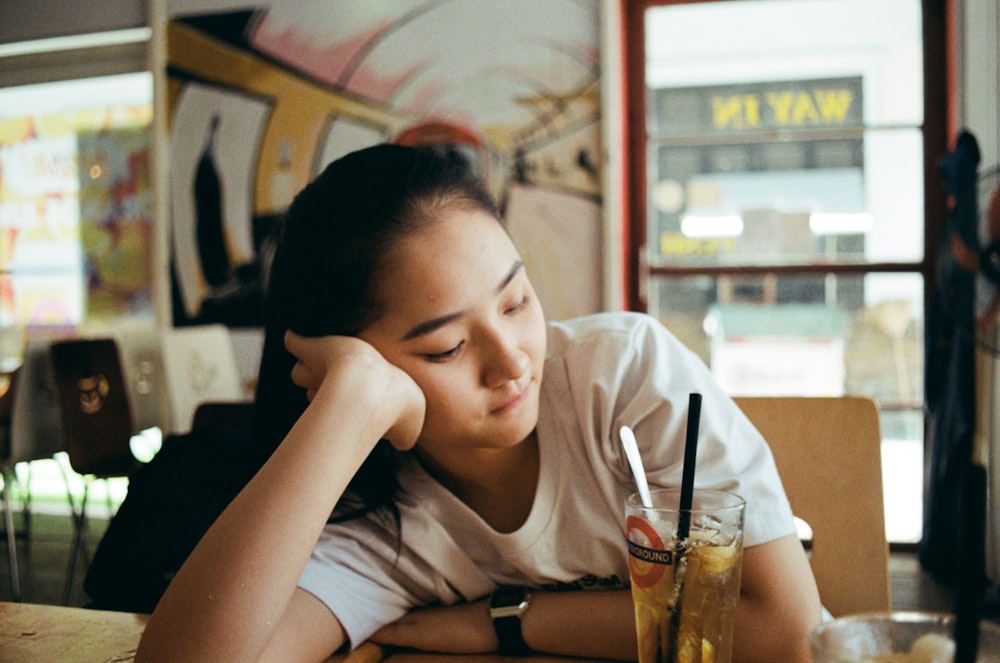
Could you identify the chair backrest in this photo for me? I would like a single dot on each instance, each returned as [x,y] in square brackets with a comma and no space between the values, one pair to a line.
[828,452]
[36,426]
[142,358]
[236,415]
[6,408]
[94,405]
[200,366]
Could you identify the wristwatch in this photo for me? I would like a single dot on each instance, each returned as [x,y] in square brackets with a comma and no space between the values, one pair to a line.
[507,604]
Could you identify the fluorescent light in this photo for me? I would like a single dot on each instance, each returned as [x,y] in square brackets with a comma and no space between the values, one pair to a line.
[133,89]
[721,225]
[90,40]
[826,223]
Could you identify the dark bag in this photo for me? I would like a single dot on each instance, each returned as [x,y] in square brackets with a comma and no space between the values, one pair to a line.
[171,503]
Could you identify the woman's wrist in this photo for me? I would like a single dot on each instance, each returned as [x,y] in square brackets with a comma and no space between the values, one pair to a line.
[507,606]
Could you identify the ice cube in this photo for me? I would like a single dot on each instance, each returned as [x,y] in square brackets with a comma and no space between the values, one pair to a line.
[932,648]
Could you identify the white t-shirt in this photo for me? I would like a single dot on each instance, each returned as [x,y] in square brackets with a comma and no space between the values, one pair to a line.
[601,372]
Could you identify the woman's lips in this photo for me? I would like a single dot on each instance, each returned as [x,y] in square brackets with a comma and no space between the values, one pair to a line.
[514,402]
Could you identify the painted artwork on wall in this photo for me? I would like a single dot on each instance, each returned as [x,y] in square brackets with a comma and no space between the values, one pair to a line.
[261,100]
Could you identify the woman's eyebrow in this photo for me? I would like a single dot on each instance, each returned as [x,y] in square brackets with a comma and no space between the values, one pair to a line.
[436,323]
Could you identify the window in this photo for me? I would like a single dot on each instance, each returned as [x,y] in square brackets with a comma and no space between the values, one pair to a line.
[76,228]
[777,201]
[76,221]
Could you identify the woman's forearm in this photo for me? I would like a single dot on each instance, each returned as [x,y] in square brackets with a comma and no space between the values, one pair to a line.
[233,590]
[591,624]
[587,624]
[779,604]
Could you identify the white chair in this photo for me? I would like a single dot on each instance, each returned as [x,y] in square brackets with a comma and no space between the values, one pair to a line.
[145,378]
[248,346]
[31,430]
[200,365]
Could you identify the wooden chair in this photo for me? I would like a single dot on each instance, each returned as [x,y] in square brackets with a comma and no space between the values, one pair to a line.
[828,452]
[97,420]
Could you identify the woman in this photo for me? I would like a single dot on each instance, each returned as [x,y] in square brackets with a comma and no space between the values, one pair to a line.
[462,444]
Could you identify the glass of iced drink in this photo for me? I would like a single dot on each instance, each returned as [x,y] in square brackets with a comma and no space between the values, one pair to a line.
[685,588]
[897,637]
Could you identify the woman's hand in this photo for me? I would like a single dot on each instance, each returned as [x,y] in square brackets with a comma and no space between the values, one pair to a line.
[351,363]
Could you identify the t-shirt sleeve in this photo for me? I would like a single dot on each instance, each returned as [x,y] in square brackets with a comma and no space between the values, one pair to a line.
[350,578]
[369,577]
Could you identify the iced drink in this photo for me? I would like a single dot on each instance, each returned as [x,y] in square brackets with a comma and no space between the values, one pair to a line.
[685,591]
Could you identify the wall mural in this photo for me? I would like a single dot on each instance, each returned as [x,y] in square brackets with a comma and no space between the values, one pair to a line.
[261,100]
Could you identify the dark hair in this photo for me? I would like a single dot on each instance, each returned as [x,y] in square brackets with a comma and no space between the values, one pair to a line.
[329,251]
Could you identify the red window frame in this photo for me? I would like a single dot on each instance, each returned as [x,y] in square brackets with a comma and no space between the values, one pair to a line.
[939,104]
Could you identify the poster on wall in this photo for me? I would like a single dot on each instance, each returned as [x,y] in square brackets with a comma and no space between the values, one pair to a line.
[261,100]
[76,222]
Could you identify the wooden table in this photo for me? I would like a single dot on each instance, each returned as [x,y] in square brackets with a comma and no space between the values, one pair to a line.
[482,658]
[30,633]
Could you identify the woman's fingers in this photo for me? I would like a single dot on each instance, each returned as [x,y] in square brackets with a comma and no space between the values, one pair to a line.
[327,357]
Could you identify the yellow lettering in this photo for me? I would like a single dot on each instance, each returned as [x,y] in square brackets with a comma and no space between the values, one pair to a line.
[675,244]
[782,108]
[751,103]
[672,244]
[834,104]
[727,112]
[781,105]
[805,110]
[736,112]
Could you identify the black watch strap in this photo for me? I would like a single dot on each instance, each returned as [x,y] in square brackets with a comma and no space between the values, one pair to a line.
[507,604]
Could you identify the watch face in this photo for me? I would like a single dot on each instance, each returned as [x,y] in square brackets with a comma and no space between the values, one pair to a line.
[506,596]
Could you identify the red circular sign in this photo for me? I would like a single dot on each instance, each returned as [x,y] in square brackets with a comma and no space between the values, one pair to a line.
[644,573]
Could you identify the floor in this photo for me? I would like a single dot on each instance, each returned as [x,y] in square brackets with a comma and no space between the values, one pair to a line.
[44,560]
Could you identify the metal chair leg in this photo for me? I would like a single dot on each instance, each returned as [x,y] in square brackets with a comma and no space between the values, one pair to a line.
[15,576]
[79,527]
[79,518]
[26,508]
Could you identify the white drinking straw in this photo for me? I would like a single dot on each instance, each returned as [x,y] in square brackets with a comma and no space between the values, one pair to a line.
[635,463]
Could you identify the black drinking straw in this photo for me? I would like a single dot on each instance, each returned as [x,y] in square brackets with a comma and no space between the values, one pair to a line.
[687,476]
[684,517]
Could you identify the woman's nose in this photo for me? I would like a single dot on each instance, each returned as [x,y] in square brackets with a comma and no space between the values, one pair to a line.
[505,361]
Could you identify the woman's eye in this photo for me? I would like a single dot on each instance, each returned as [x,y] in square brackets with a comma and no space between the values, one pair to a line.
[518,306]
[447,354]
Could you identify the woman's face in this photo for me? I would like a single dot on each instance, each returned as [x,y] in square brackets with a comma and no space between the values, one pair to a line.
[461,318]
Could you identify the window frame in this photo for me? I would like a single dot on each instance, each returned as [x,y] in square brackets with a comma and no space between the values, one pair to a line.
[938,106]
